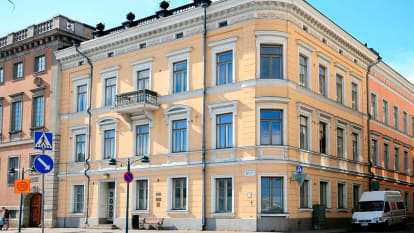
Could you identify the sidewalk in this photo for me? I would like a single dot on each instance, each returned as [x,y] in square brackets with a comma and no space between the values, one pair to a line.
[83,230]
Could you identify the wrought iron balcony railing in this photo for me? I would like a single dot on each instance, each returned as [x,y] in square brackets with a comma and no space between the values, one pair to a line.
[137,97]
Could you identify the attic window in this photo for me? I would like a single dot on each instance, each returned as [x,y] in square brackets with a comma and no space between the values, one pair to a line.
[324,41]
[142,45]
[179,35]
[341,52]
[110,54]
[80,63]
[222,24]
[305,28]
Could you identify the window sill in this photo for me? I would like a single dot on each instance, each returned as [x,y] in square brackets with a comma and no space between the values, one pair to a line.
[140,212]
[222,214]
[76,214]
[178,212]
[39,72]
[305,209]
[17,79]
[342,210]
[273,215]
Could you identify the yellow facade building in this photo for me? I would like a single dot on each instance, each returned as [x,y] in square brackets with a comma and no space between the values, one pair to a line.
[284,87]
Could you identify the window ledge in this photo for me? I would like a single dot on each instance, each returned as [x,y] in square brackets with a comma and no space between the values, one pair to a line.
[305,209]
[76,214]
[17,79]
[222,214]
[140,212]
[178,212]
[39,72]
[342,210]
[273,215]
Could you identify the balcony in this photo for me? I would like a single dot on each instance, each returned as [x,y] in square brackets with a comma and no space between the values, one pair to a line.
[136,102]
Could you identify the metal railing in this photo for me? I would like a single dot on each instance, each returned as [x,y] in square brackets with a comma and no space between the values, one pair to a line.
[137,97]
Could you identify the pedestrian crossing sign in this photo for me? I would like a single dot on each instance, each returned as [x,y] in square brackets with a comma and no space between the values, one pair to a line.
[43,141]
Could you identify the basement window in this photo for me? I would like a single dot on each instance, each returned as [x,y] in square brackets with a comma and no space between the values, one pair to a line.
[222,24]
[142,45]
[81,63]
[179,35]
[110,54]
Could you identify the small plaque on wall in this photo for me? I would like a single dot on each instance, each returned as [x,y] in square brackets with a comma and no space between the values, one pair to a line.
[158,199]
[250,173]
[158,194]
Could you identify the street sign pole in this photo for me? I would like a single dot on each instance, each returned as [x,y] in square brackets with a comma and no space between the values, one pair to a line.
[43,197]
[127,204]
[21,204]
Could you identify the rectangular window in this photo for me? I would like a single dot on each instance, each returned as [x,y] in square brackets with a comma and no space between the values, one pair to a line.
[78,198]
[323,138]
[322,81]
[179,193]
[109,144]
[142,138]
[406,163]
[412,126]
[13,163]
[304,195]
[375,160]
[304,144]
[224,131]
[386,156]
[339,89]
[180,77]
[356,190]
[303,70]
[31,160]
[355,146]
[142,195]
[271,62]
[40,64]
[1,117]
[1,75]
[405,122]
[224,195]
[17,70]
[340,142]
[38,111]
[354,96]
[224,68]
[374,110]
[341,196]
[110,91]
[143,79]
[385,112]
[81,98]
[397,159]
[16,124]
[80,148]
[179,136]
[323,193]
[407,200]
[396,118]
[271,127]
[272,195]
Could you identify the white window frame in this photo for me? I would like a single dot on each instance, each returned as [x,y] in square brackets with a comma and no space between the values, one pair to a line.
[328,195]
[360,193]
[388,115]
[344,126]
[134,194]
[284,122]
[327,119]
[108,73]
[325,61]
[79,81]
[309,195]
[387,166]
[72,198]
[305,50]
[218,109]
[306,111]
[357,130]
[74,132]
[341,71]
[399,122]
[285,194]
[377,156]
[408,120]
[107,123]
[174,57]
[345,197]
[173,113]
[276,38]
[358,84]
[218,47]
[170,194]
[213,195]
[140,121]
[141,65]
[408,164]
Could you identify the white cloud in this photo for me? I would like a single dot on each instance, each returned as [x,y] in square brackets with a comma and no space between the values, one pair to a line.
[403,62]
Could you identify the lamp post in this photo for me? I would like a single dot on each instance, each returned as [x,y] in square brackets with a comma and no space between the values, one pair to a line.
[12,171]
[112,162]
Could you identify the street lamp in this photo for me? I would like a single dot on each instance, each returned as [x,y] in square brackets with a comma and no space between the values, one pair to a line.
[113,162]
[12,171]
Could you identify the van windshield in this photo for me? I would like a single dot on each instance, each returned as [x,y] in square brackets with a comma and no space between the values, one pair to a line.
[367,206]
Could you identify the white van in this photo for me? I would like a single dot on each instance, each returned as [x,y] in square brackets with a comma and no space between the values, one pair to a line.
[380,208]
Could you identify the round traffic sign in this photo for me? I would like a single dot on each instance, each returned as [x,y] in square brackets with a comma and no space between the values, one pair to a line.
[22,186]
[43,164]
[128,177]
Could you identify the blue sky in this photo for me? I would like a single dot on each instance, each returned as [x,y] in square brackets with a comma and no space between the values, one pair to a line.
[384,24]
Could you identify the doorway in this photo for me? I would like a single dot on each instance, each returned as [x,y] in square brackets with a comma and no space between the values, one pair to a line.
[111,203]
[35,210]
[107,202]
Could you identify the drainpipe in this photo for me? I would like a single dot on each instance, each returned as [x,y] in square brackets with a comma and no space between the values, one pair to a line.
[371,175]
[204,4]
[87,165]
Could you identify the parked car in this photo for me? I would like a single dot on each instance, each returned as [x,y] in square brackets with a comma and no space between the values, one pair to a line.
[380,208]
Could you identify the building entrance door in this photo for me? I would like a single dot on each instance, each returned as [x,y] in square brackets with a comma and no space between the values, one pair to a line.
[35,210]
[111,200]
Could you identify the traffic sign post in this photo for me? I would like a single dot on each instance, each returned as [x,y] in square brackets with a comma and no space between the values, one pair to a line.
[43,163]
[300,177]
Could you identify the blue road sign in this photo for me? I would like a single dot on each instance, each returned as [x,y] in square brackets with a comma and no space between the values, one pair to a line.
[299,169]
[43,164]
[128,177]
[43,141]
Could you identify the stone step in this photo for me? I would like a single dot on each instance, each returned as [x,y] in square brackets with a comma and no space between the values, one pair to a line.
[104,226]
